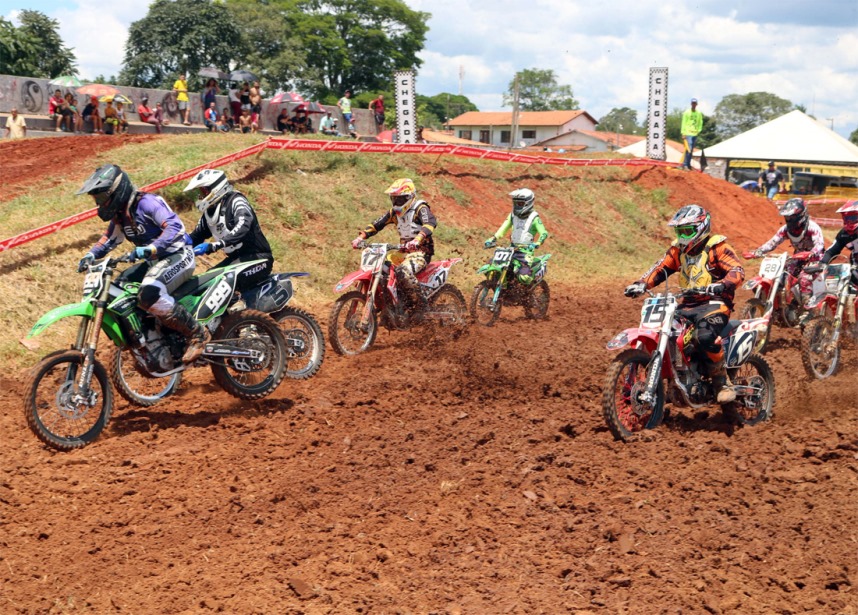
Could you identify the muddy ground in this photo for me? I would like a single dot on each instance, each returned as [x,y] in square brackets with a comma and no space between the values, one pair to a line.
[473,477]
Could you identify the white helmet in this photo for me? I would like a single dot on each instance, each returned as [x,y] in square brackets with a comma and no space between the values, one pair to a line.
[522,202]
[213,186]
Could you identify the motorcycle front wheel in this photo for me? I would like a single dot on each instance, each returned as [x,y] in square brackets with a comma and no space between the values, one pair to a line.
[133,386]
[820,355]
[755,308]
[536,304]
[757,406]
[482,310]
[246,378]
[56,412]
[304,341]
[626,379]
[348,335]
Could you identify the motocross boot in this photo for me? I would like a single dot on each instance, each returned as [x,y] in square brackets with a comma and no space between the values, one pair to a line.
[723,389]
[416,300]
[180,320]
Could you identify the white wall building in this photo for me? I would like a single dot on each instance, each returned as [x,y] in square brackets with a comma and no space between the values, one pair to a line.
[495,127]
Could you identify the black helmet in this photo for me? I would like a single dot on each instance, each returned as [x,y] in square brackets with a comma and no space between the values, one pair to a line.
[794,212]
[111,188]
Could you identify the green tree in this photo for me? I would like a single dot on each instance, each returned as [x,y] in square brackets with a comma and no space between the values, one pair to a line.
[354,44]
[179,36]
[738,113]
[269,49]
[623,120]
[446,106]
[538,90]
[854,136]
[35,48]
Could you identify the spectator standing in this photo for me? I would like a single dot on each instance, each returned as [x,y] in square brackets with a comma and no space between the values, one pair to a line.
[235,102]
[328,125]
[16,127]
[244,96]
[345,105]
[147,115]
[255,102]
[180,88]
[210,93]
[55,108]
[91,116]
[692,124]
[210,117]
[377,107]
[771,181]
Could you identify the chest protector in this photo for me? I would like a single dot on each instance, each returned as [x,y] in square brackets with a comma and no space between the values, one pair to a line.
[694,271]
[521,228]
[408,224]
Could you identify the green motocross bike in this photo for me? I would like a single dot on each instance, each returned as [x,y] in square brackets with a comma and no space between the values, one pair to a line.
[502,287]
[68,398]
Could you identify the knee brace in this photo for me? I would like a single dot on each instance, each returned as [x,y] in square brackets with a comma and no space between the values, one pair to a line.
[153,300]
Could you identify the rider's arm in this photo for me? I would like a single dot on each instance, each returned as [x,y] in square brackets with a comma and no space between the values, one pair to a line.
[156,210]
[659,272]
[201,232]
[818,240]
[379,224]
[537,229]
[427,222]
[728,264]
[504,228]
[112,237]
[774,242]
[836,248]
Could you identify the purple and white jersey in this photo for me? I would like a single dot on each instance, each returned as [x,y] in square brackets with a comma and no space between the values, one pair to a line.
[809,241]
[153,224]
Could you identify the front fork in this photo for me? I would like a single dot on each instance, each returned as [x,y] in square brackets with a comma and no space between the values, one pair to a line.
[498,287]
[653,370]
[87,342]
[369,305]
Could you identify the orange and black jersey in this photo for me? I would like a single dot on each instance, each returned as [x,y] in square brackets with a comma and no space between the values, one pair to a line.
[417,221]
[714,261]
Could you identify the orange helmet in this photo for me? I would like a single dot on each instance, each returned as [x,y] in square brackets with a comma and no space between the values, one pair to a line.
[402,195]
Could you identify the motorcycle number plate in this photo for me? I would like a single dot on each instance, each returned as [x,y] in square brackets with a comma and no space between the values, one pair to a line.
[91,283]
[372,259]
[770,268]
[653,313]
[502,256]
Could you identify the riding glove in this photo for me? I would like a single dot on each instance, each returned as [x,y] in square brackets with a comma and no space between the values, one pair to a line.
[491,242]
[85,262]
[356,242]
[144,252]
[532,246]
[412,245]
[713,290]
[207,248]
[635,289]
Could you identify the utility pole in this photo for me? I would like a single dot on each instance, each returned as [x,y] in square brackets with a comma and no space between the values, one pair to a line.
[514,127]
[461,77]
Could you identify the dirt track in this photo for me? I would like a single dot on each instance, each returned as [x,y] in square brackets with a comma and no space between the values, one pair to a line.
[488,484]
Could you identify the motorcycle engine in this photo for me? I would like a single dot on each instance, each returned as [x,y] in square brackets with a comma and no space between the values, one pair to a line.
[156,353]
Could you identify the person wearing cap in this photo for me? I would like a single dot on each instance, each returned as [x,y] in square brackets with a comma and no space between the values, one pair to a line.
[771,181]
[692,124]
[147,115]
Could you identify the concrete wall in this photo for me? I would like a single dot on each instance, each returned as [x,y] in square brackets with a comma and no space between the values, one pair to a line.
[30,96]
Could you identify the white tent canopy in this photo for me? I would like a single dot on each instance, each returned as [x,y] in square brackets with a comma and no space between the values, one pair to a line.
[794,137]
[639,149]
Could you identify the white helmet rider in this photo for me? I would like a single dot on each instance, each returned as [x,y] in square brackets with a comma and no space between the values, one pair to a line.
[522,202]
[213,186]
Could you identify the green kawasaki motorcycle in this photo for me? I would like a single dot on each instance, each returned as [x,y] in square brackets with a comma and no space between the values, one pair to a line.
[501,287]
[68,398]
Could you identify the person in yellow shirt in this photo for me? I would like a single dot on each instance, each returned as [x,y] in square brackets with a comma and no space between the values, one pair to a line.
[16,127]
[180,88]
[692,124]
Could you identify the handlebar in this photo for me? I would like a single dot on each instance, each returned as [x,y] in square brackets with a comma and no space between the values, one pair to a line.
[390,246]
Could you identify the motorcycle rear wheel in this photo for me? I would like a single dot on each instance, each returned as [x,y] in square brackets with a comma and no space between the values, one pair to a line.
[626,378]
[299,326]
[755,308]
[344,330]
[134,387]
[750,410]
[536,303]
[481,310]
[820,358]
[259,331]
[52,415]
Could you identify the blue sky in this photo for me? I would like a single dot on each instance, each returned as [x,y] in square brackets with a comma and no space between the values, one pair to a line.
[802,51]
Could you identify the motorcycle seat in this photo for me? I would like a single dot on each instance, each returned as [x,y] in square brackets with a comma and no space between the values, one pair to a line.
[730,328]
[197,282]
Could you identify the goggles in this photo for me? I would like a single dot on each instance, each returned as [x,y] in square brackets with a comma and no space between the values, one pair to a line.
[850,219]
[400,200]
[686,231]
[205,191]
[101,198]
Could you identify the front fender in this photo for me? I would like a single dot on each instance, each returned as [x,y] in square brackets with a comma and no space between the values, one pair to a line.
[636,336]
[84,309]
[355,276]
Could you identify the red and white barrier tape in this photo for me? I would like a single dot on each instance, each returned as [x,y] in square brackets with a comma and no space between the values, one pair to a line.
[314,145]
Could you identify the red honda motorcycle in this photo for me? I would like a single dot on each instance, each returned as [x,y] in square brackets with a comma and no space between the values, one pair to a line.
[776,289]
[378,299]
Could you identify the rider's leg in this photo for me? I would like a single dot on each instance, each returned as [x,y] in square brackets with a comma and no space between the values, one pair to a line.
[413,264]
[523,267]
[708,328]
[155,297]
